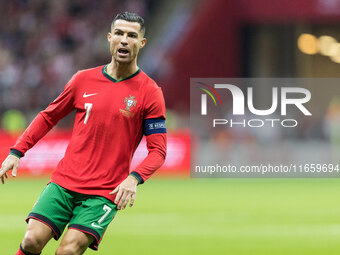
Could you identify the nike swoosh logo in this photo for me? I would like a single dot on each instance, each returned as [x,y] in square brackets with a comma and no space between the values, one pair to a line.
[88,95]
[95,226]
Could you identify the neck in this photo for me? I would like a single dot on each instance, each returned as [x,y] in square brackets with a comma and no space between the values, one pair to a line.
[121,70]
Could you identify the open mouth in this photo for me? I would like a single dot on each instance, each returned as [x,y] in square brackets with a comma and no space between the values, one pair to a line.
[123,51]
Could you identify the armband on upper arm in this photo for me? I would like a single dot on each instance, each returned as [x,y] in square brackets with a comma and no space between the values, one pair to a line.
[154,126]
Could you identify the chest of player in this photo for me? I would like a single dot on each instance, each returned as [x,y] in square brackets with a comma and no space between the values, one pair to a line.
[109,104]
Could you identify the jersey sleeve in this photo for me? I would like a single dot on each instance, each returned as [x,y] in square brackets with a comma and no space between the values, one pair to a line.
[155,105]
[156,144]
[156,138]
[46,120]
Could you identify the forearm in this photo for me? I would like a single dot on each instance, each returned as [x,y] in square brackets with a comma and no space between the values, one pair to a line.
[156,144]
[46,120]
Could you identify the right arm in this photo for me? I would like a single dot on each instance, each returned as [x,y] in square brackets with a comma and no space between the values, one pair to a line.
[43,122]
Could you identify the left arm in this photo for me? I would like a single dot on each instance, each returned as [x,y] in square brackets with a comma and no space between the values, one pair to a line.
[155,132]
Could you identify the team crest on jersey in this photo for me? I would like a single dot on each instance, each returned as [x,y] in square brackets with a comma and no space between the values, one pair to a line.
[129,103]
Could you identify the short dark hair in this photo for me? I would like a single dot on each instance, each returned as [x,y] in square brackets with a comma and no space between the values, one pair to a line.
[131,17]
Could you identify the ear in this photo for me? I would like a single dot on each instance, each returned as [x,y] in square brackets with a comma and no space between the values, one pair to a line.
[109,35]
[142,43]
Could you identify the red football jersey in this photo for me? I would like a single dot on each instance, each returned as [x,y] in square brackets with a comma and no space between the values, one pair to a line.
[111,117]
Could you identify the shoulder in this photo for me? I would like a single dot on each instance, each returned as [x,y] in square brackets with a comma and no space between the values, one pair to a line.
[154,100]
[149,84]
[79,77]
[153,94]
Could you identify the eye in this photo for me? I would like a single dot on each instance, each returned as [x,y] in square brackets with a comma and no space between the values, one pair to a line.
[133,35]
[117,32]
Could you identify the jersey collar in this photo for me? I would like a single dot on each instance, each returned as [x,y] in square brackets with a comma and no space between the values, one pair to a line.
[115,80]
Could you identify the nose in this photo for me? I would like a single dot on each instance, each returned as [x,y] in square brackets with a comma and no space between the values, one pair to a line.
[124,40]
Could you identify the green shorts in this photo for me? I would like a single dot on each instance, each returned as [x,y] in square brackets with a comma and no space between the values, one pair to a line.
[57,207]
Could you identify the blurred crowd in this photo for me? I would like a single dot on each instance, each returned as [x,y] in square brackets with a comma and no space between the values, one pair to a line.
[43,43]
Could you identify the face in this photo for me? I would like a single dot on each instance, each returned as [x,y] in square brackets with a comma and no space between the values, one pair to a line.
[125,40]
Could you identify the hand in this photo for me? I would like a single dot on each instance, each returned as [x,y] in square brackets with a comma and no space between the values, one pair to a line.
[125,191]
[10,163]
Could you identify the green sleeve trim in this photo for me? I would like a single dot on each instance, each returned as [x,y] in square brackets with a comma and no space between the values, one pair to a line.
[134,177]
[137,176]
[14,155]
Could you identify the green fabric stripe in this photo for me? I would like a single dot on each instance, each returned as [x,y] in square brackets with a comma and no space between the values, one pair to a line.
[134,177]
[137,176]
[14,155]
[120,79]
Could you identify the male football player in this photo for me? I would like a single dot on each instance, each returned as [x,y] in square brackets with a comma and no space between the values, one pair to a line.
[116,104]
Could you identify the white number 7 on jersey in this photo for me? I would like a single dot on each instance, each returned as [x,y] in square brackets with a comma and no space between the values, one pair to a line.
[88,107]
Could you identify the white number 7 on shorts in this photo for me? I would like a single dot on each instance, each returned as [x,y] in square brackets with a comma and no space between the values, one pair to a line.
[107,210]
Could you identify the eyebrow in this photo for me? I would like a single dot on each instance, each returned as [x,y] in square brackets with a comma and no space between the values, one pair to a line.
[131,32]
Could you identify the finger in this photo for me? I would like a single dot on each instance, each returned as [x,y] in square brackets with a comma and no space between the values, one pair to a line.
[118,196]
[2,172]
[114,191]
[124,200]
[4,168]
[3,178]
[133,197]
[14,171]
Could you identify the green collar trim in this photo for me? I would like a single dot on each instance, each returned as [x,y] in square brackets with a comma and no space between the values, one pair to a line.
[115,80]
